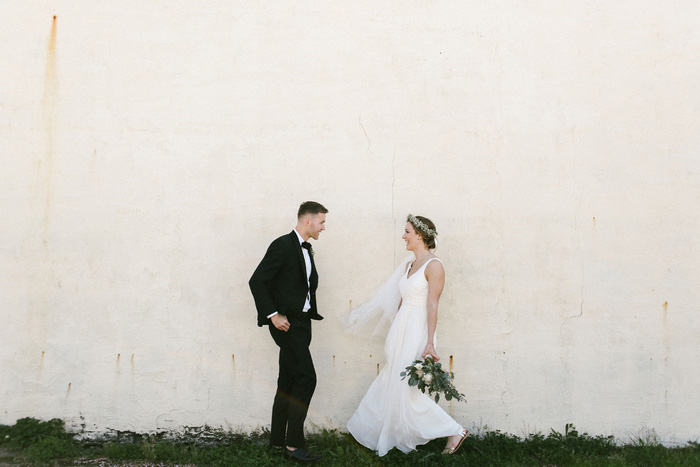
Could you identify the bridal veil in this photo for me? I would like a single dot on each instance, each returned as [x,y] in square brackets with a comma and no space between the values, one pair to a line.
[375,317]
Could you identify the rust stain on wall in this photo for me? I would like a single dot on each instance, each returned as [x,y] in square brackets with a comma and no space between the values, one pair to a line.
[51,81]
[666,337]
[49,123]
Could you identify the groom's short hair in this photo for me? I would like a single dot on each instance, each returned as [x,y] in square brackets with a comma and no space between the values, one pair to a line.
[311,207]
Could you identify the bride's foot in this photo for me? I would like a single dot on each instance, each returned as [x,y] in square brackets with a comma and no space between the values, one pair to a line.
[454,442]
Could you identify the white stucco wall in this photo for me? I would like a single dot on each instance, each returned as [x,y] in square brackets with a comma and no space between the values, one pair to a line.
[152,149]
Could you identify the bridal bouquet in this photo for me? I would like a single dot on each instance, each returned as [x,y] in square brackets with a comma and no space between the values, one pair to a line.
[429,376]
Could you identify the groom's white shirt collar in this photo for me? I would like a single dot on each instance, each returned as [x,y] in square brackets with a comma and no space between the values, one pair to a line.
[301,239]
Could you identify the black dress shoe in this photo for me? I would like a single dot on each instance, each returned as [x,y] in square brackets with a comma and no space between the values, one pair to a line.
[301,455]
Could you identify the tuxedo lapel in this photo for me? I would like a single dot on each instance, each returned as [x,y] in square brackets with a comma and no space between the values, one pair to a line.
[300,255]
[313,278]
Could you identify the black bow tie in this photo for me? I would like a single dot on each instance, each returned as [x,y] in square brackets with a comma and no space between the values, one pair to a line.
[306,245]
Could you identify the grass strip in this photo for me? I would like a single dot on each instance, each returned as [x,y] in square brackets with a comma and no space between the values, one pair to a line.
[46,443]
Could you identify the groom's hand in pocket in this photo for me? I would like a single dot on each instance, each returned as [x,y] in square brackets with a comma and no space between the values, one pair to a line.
[280,322]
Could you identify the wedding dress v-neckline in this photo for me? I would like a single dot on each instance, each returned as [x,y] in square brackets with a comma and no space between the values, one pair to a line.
[408,271]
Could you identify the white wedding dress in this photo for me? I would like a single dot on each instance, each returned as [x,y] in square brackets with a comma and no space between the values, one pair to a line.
[392,413]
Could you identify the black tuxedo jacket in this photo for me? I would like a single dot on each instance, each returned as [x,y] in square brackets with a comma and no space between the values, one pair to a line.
[279,281]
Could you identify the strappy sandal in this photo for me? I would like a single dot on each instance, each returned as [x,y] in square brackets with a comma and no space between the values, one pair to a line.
[463,435]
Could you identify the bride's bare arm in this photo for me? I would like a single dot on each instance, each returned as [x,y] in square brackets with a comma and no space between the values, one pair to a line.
[435,274]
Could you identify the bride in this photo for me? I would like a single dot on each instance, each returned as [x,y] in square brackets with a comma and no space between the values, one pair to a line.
[392,413]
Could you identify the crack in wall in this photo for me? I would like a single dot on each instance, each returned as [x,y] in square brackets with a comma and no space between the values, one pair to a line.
[583,300]
[583,275]
[369,142]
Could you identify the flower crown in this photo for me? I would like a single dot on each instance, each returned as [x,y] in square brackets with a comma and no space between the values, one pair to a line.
[420,225]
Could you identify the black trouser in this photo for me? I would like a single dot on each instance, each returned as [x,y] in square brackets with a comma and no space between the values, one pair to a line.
[295,385]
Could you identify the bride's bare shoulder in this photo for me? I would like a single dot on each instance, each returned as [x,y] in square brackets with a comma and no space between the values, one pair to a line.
[434,266]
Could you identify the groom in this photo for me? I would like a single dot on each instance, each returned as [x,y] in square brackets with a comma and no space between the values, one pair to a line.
[284,288]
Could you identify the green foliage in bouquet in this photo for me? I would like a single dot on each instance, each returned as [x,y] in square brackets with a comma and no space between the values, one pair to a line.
[429,376]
